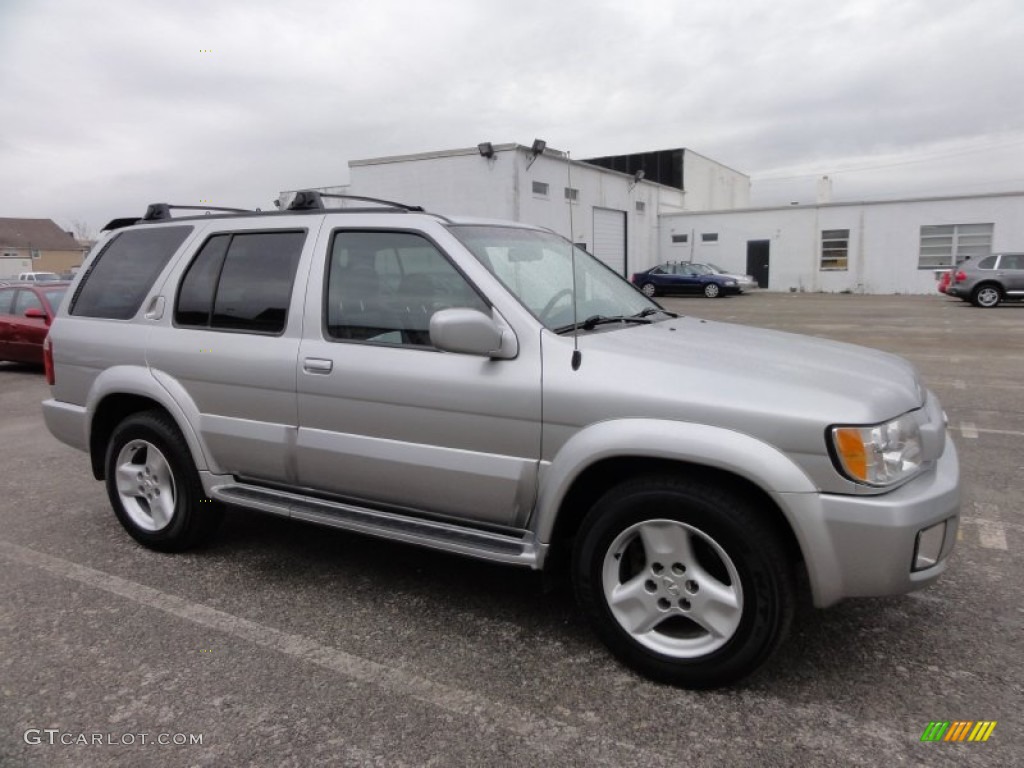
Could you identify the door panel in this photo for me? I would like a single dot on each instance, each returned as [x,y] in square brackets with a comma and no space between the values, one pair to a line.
[384,417]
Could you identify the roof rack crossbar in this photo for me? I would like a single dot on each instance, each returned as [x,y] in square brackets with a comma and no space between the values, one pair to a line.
[162,211]
[311,199]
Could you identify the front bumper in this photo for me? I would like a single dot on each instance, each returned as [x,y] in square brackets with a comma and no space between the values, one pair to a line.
[864,546]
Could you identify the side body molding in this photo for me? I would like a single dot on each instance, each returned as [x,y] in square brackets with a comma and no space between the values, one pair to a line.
[742,455]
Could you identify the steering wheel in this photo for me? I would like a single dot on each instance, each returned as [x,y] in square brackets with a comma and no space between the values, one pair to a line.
[552,302]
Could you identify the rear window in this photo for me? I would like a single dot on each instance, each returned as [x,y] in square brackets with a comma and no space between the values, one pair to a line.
[241,282]
[122,274]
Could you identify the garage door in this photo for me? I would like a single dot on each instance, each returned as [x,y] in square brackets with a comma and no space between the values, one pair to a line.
[610,238]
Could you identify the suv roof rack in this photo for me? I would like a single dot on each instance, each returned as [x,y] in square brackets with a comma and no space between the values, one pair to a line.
[162,211]
[312,200]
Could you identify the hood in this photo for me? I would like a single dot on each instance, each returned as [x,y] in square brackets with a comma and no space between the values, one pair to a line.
[781,387]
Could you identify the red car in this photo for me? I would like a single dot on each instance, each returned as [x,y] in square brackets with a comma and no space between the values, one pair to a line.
[26,311]
[944,282]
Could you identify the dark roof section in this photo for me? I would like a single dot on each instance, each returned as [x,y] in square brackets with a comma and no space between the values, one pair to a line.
[664,166]
[41,234]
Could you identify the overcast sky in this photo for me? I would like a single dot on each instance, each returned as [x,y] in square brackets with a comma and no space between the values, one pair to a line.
[110,105]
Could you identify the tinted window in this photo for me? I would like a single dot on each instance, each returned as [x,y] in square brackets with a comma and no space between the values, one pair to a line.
[1012,261]
[26,300]
[385,287]
[195,298]
[121,275]
[6,300]
[988,263]
[255,285]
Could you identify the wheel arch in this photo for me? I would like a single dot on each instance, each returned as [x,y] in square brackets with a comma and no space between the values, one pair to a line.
[122,391]
[599,457]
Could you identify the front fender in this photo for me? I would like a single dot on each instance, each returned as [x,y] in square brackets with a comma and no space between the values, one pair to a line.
[762,464]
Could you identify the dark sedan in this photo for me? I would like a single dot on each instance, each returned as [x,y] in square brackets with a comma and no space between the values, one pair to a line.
[26,311]
[684,278]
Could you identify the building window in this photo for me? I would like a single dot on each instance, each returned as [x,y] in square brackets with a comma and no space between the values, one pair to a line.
[10,254]
[641,206]
[949,244]
[680,239]
[835,248]
[571,194]
[540,188]
[35,253]
[709,237]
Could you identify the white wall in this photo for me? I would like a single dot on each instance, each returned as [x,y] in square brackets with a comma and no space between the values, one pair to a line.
[712,186]
[462,182]
[883,248]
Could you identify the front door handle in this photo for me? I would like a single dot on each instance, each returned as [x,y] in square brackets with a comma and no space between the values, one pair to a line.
[317,365]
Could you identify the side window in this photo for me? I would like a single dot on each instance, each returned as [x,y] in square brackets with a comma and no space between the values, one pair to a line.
[121,275]
[1012,261]
[26,300]
[241,282]
[989,262]
[195,297]
[6,300]
[385,286]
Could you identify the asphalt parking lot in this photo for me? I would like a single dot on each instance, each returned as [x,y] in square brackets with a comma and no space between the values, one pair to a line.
[289,645]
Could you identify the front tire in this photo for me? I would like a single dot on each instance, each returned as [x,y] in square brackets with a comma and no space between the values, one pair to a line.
[987,296]
[154,487]
[712,291]
[685,583]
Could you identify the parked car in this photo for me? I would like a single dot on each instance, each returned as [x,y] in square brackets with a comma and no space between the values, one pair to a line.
[684,278]
[989,281]
[745,282]
[487,389]
[944,279]
[38,277]
[26,311]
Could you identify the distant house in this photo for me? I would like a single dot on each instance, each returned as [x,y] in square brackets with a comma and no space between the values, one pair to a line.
[36,245]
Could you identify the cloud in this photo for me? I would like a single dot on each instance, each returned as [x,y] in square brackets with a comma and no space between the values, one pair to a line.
[114,105]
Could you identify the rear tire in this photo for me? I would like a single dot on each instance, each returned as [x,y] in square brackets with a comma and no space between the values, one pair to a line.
[154,487]
[649,290]
[685,583]
[987,296]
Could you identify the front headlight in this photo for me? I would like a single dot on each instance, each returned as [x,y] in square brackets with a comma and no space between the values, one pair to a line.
[879,455]
[730,282]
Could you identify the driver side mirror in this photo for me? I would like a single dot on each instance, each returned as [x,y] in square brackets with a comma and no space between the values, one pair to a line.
[471,332]
[37,314]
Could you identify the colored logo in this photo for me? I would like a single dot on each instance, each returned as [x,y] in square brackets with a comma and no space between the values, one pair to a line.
[959,730]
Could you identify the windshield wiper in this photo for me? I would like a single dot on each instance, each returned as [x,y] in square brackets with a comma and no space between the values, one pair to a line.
[651,310]
[595,320]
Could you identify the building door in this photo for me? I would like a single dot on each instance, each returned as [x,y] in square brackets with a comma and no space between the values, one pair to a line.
[757,261]
[610,238]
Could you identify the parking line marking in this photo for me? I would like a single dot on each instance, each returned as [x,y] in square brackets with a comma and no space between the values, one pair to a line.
[968,430]
[540,729]
[983,521]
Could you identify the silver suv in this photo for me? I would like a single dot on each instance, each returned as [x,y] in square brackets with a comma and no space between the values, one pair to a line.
[989,281]
[486,389]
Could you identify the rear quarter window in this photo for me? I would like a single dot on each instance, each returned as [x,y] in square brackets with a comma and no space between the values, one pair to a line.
[122,273]
[987,263]
[6,300]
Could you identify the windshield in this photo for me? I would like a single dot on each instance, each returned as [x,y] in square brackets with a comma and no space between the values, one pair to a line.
[536,267]
[46,277]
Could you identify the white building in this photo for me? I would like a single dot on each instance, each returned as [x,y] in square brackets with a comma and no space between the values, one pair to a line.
[892,246]
[604,204]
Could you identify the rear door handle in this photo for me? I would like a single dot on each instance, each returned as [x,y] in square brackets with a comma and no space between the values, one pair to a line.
[317,365]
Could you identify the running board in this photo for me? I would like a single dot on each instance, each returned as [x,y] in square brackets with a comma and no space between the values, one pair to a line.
[448,537]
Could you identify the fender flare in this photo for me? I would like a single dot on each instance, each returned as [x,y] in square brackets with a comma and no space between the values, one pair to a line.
[153,385]
[740,454]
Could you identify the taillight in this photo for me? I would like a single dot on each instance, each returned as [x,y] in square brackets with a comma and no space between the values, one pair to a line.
[48,361]
[961,276]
